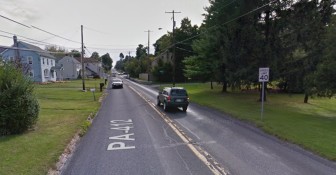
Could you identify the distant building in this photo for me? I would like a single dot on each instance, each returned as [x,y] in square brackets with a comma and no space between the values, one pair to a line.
[69,68]
[93,68]
[40,64]
[164,57]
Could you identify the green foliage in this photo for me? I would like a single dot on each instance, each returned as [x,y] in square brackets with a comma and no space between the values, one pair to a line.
[163,44]
[57,50]
[325,75]
[107,62]
[85,126]
[63,110]
[184,37]
[132,67]
[141,63]
[75,53]
[19,107]
[311,126]
[96,56]
[325,78]
[141,51]
[121,56]
[163,72]
[286,36]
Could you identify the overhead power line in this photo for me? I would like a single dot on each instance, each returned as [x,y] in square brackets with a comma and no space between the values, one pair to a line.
[6,36]
[24,37]
[55,35]
[245,14]
[202,33]
[34,40]
[97,31]
[24,49]
[14,21]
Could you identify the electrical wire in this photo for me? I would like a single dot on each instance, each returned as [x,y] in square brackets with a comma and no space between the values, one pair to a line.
[34,40]
[55,35]
[6,36]
[14,21]
[24,49]
[212,27]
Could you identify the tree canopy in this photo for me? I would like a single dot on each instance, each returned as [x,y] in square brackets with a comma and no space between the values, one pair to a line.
[289,37]
[107,62]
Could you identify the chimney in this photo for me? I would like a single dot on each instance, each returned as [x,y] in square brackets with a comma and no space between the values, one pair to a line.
[17,52]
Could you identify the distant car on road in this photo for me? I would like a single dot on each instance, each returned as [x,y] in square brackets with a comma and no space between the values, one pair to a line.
[173,97]
[117,83]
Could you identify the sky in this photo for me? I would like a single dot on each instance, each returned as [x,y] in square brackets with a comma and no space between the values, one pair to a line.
[109,26]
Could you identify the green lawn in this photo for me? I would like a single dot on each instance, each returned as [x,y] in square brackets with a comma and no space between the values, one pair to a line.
[312,125]
[63,110]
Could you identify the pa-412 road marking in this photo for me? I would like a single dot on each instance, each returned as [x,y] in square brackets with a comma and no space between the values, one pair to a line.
[120,140]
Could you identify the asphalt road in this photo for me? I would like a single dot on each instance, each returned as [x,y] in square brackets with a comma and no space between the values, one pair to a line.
[129,137]
[236,147]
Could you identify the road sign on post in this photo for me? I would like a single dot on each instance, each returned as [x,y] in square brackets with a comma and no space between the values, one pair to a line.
[263,77]
[263,74]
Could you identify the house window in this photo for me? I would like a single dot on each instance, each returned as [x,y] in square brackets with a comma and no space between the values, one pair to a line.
[30,60]
[43,60]
[46,73]
[51,62]
[11,58]
[47,61]
[52,73]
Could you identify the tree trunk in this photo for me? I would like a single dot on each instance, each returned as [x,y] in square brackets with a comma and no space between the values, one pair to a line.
[306,98]
[224,89]
[211,85]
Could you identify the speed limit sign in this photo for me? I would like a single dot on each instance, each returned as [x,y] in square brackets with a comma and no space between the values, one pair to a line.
[263,74]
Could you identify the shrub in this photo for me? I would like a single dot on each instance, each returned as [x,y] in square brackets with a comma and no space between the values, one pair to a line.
[19,107]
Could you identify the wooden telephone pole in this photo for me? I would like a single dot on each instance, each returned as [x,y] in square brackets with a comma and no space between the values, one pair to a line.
[82,59]
[174,23]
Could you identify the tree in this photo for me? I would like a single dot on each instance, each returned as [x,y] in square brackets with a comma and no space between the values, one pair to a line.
[19,107]
[325,75]
[200,66]
[107,62]
[184,37]
[57,51]
[75,53]
[141,51]
[121,56]
[95,55]
[163,71]
[163,44]
[307,22]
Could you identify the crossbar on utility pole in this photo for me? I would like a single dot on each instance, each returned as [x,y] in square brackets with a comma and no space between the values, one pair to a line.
[173,12]
[82,59]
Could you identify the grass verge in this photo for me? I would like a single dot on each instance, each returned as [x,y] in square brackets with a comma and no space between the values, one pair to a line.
[312,125]
[64,109]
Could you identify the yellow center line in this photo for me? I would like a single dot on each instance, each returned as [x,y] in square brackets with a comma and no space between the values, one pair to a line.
[205,157]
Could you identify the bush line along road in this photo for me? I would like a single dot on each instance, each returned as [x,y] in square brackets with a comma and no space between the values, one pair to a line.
[130,135]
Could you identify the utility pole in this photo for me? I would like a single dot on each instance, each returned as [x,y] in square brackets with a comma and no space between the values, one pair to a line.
[173,12]
[82,57]
[148,31]
[148,68]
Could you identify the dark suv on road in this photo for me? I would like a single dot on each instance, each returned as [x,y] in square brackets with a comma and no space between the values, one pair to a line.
[173,97]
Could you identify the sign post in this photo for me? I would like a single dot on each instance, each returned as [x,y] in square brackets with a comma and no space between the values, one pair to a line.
[263,77]
[93,92]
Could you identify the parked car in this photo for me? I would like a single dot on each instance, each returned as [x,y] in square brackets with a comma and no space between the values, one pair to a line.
[117,83]
[173,97]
